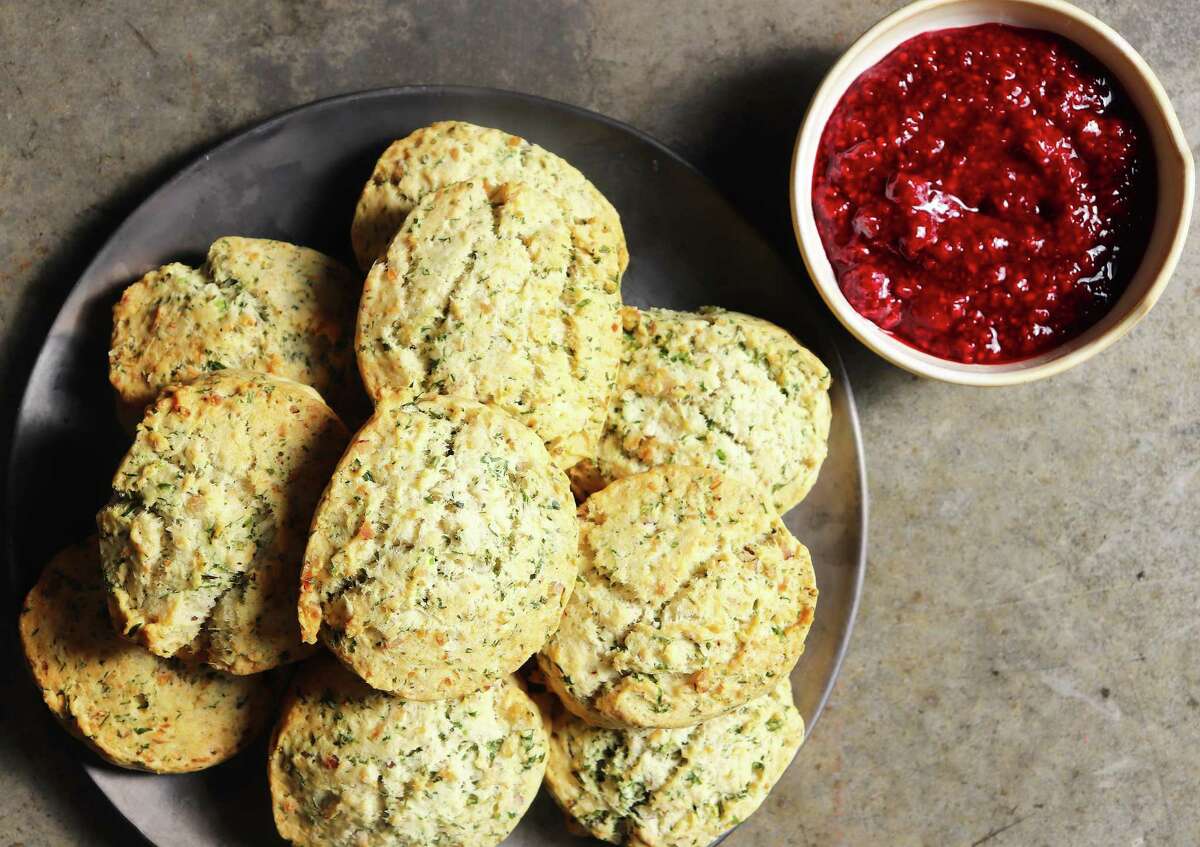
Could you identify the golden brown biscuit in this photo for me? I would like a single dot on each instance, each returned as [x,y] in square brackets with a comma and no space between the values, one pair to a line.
[351,765]
[487,296]
[716,389]
[133,708]
[447,152]
[204,533]
[692,599]
[442,551]
[256,305]
[673,787]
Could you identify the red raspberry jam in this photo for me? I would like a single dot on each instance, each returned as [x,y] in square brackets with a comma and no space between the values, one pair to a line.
[985,193]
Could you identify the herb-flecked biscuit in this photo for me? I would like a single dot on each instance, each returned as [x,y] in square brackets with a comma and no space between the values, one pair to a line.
[256,305]
[486,296]
[716,389]
[353,766]
[442,551]
[203,536]
[692,598]
[135,709]
[443,153]
[673,787]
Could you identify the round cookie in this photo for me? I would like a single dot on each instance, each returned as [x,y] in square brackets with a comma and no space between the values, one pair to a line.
[442,551]
[133,708]
[351,765]
[256,304]
[673,787]
[716,389]
[204,533]
[692,599]
[485,295]
[443,153]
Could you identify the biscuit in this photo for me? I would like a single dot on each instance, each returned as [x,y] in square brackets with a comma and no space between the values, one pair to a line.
[256,305]
[204,533]
[692,599]
[673,787]
[133,708]
[442,551]
[485,295]
[351,765]
[716,389]
[443,153]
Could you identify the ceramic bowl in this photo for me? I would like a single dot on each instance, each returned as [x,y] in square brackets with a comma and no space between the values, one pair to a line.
[1176,177]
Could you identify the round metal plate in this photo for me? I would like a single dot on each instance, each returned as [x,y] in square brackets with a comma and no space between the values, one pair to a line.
[296,177]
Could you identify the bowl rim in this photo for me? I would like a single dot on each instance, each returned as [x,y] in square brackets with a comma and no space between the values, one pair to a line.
[1056,360]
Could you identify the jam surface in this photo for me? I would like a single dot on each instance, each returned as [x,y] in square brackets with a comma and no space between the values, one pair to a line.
[985,193]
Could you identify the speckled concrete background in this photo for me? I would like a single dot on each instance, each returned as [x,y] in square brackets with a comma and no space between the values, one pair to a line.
[1025,669]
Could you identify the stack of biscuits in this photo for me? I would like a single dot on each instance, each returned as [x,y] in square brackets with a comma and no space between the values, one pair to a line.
[553,552]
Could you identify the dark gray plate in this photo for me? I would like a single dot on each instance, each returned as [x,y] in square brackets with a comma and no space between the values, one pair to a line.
[296,177]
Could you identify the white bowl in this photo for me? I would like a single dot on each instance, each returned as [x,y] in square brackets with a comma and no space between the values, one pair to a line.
[1176,178]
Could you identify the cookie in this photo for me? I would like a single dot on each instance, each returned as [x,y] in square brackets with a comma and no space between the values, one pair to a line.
[443,153]
[692,599]
[133,708]
[256,305]
[673,787]
[442,551]
[486,295]
[204,533]
[716,389]
[351,765]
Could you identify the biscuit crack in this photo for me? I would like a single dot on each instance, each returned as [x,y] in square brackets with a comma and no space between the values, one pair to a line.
[654,619]
[429,342]
[759,359]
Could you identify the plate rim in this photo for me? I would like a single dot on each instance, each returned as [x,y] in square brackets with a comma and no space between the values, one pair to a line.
[265,125]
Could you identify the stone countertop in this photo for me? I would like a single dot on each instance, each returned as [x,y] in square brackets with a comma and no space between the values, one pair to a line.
[1025,668]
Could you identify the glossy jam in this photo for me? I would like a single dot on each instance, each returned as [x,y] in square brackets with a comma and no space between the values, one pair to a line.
[984,194]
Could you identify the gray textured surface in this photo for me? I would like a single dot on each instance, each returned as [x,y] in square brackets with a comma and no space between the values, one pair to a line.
[1025,669]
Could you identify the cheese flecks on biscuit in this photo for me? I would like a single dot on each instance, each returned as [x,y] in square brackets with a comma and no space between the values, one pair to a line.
[488,295]
[256,304]
[351,765]
[447,152]
[715,389]
[135,709]
[692,599]
[673,787]
[204,532]
[442,551]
